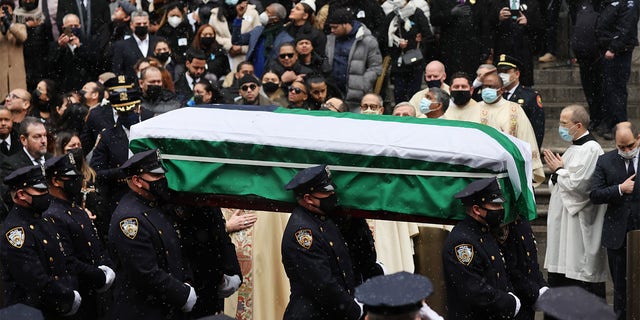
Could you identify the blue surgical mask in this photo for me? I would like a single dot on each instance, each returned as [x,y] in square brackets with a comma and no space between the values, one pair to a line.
[231,2]
[489,95]
[564,133]
[425,105]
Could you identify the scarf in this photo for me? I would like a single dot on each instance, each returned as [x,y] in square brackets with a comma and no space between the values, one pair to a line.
[402,16]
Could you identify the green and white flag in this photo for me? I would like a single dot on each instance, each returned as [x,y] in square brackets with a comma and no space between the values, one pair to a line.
[392,164]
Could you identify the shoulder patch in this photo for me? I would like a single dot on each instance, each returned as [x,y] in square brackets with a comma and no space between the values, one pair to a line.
[304,238]
[15,237]
[539,101]
[464,253]
[129,227]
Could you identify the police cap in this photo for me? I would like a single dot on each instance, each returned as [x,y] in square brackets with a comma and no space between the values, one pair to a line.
[481,191]
[506,62]
[64,165]
[30,176]
[394,294]
[314,179]
[120,82]
[148,161]
[574,303]
[124,100]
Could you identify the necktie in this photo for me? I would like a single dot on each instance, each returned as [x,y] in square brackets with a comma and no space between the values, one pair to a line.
[630,169]
[4,147]
[505,95]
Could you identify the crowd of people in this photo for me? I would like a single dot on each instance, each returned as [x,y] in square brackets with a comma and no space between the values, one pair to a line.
[78,74]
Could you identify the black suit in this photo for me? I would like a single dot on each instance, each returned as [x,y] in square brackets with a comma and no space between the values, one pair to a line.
[623,215]
[98,14]
[183,90]
[16,145]
[531,103]
[126,53]
[99,118]
[17,161]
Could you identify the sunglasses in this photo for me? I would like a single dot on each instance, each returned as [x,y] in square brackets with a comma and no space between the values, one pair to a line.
[296,90]
[246,87]
[286,55]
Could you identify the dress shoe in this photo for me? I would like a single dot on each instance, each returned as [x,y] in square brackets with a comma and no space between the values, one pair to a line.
[547,57]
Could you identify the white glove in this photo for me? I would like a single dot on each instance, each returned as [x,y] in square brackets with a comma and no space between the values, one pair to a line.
[229,285]
[361,305]
[77,299]
[426,313]
[542,291]
[517,303]
[109,277]
[191,300]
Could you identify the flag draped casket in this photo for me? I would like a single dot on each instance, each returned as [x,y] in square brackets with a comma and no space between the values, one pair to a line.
[381,165]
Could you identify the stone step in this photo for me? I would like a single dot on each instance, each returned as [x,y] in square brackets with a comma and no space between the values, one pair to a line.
[565,75]
[555,93]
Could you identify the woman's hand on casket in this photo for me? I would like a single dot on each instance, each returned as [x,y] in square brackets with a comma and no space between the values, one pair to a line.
[239,220]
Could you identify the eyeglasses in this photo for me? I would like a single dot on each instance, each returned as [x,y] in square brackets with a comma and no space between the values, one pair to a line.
[246,87]
[14,96]
[286,55]
[296,90]
[369,106]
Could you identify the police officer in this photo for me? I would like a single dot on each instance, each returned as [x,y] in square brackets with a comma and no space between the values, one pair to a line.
[315,256]
[476,279]
[33,263]
[397,296]
[79,237]
[152,276]
[527,98]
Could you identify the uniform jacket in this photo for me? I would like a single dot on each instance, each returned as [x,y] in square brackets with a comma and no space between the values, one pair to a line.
[12,72]
[99,118]
[319,268]
[616,28]
[34,268]
[364,66]
[151,273]
[611,171]
[475,274]
[83,249]
[126,53]
[531,103]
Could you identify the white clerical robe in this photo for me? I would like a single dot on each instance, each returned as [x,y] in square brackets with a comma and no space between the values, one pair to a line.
[574,224]
[394,244]
[468,112]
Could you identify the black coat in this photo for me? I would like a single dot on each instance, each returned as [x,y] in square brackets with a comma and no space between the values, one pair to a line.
[179,38]
[99,12]
[317,262]
[616,28]
[34,268]
[16,145]
[307,31]
[103,41]
[126,53]
[475,274]
[98,119]
[531,103]
[36,51]
[151,273]
[419,25]
[73,69]
[83,248]
[611,170]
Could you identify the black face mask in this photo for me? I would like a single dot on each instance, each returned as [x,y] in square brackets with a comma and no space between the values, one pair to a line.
[198,99]
[28,6]
[73,188]
[460,97]
[270,87]
[494,217]
[163,56]
[159,189]
[141,31]
[434,83]
[43,106]
[329,204]
[127,119]
[153,91]
[207,42]
[40,203]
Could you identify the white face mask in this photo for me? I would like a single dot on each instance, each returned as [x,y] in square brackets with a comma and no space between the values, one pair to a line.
[264,18]
[506,79]
[369,111]
[174,21]
[629,154]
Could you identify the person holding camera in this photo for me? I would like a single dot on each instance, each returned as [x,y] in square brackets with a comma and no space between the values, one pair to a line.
[12,38]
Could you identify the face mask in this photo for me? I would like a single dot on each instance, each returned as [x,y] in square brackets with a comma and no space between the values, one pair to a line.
[476,83]
[494,217]
[270,87]
[163,56]
[153,91]
[40,203]
[264,18]
[425,105]
[629,154]
[207,42]
[198,99]
[460,97]
[73,188]
[174,21]
[231,2]
[564,133]
[506,79]
[369,111]
[489,95]
[329,204]
[159,189]
[29,6]
[128,119]
[141,31]
[434,83]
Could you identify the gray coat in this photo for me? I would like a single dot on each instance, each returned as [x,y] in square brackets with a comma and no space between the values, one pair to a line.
[365,65]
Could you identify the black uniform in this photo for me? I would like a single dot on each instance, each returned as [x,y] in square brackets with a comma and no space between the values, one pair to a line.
[475,274]
[521,255]
[317,263]
[151,274]
[531,103]
[362,250]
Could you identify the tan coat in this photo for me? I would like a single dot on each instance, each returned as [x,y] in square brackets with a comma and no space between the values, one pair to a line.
[12,73]
[250,20]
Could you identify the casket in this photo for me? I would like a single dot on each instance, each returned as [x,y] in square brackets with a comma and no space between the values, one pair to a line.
[384,167]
